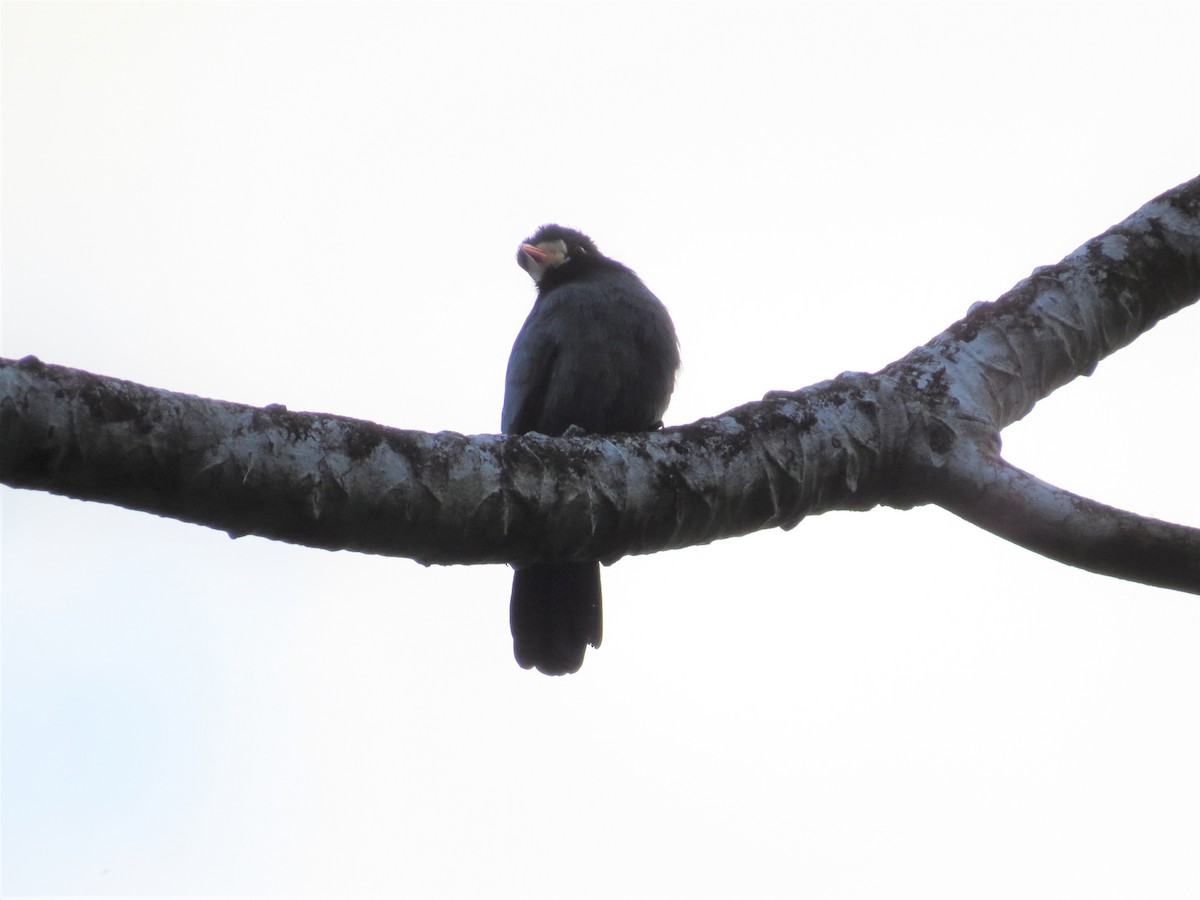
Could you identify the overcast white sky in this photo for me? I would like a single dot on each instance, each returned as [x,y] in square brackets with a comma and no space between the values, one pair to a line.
[318,205]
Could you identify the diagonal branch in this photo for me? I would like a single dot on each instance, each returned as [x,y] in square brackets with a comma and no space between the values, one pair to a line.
[1011,503]
[1064,319]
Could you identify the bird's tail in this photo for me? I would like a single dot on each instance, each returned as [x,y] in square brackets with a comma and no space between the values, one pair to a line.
[555,613]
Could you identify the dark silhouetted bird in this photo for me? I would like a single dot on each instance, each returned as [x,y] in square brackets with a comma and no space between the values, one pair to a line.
[598,351]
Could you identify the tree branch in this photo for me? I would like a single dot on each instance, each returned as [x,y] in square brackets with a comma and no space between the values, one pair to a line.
[1061,321]
[1013,504]
[924,429]
[339,483]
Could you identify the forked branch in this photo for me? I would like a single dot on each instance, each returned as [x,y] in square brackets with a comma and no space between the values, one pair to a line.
[925,429]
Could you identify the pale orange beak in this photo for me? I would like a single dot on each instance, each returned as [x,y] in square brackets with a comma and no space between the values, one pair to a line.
[538,255]
[537,258]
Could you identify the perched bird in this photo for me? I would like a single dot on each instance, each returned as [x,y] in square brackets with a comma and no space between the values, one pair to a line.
[598,351]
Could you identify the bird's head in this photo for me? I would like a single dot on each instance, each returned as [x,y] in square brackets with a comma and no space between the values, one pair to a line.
[553,246]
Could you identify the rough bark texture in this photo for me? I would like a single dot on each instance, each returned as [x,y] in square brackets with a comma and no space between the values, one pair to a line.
[924,429]
[338,483]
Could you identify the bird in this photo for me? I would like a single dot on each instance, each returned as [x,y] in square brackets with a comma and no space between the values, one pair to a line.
[597,354]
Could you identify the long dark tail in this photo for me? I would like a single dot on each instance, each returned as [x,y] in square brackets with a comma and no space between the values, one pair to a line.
[555,613]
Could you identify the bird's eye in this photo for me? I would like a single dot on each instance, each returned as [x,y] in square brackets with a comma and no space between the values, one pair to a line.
[582,251]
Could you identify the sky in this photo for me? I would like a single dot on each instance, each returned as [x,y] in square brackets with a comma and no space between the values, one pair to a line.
[319,205]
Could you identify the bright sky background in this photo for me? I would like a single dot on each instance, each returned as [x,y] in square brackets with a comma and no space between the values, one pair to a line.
[318,205]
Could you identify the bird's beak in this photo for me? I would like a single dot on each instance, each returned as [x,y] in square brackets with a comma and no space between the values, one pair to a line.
[536,254]
[537,258]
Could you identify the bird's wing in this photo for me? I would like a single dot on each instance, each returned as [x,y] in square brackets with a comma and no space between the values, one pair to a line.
[530,368]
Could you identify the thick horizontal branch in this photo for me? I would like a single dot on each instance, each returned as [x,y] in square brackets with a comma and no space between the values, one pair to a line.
[1015,505]
[339,483]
